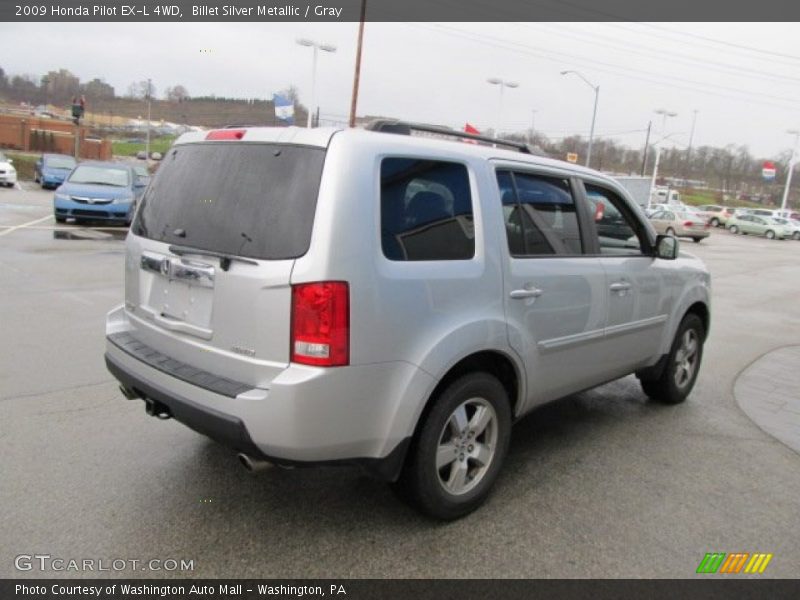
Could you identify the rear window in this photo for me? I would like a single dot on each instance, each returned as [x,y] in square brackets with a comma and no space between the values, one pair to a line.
[253,200]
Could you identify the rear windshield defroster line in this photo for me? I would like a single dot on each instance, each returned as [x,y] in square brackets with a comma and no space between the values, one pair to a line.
[242,199]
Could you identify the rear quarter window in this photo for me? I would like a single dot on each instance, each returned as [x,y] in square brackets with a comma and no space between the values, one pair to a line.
[426,210]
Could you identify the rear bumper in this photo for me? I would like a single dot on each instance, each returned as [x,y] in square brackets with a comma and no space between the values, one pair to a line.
[6,178]
[232,432]
[363,415]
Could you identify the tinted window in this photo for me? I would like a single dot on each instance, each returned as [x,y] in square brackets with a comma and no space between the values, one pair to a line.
[550,210]
[254,200]
[617,229]
[525,238]
[426,210]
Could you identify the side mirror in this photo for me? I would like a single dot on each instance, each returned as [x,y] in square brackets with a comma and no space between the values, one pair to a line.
[666,247]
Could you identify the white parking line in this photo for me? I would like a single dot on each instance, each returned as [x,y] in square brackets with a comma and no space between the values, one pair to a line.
[15,227]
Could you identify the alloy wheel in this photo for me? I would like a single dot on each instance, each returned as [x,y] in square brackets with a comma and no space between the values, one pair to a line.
[467,446]
[686,358]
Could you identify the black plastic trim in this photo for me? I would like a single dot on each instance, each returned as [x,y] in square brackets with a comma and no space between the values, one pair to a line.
[208,381]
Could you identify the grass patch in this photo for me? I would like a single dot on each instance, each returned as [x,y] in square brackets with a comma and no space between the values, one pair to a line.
[700,197]
[124,148]
[23,163]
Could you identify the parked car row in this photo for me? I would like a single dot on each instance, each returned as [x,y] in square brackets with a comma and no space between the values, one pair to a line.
[770,227]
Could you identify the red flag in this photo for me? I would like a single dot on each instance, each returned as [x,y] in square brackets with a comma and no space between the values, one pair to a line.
[470,129]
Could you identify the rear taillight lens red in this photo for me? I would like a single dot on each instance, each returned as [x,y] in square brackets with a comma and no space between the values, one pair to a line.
[687,223]
[321,324]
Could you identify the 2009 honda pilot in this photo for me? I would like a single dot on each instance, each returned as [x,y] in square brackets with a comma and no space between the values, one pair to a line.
[349,296]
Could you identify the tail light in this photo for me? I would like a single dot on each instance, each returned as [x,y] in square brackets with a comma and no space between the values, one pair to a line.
[321,324]
[687,223]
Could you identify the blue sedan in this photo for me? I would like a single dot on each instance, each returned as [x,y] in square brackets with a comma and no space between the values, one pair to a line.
[52,169]
[99,191]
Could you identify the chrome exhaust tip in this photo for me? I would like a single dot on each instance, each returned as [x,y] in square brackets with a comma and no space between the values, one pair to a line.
[129,393]
[254,465]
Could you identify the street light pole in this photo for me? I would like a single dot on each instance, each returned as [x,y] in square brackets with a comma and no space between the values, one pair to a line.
[357,71]
[315,46]
[664,114]
[501,83]
[147,137]
[689,149]
[596,89]
[796,135]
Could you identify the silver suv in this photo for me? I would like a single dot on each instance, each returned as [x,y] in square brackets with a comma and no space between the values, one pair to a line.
[391,300]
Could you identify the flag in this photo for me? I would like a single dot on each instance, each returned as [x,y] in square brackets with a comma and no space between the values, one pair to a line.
[284,108]
[470,129]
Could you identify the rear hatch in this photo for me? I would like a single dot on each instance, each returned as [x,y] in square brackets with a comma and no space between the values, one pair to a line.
[211,251]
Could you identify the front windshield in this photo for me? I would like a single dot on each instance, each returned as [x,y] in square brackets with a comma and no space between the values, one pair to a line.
[100,176]
[60,162]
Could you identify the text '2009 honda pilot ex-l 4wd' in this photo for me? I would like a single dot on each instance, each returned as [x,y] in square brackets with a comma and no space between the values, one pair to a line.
[391,300]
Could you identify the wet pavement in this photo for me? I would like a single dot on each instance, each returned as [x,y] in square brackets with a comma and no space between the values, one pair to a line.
[602,484]
[769,393]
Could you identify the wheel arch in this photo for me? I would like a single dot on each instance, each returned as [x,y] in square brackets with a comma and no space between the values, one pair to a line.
[491,361]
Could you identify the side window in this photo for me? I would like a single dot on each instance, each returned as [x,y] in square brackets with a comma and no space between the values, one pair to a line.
[525,238]
[617,229]
[426,210]
[543,211]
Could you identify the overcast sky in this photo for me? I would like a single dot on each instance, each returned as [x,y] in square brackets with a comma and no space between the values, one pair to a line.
[743,79]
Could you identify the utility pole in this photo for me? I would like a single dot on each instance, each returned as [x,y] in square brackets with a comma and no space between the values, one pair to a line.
[533,126]
[646,148]
[664,114]
[596,89]
[147,138]
[357,74]
[687,171]
[792,158]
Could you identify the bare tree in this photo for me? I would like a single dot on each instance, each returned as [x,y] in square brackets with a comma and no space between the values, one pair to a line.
[177,93]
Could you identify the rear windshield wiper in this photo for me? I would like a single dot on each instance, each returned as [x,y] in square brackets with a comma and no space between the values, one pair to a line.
[225,259]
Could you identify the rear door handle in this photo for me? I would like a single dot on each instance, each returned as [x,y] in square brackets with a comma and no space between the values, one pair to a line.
[620,286]
[526,293]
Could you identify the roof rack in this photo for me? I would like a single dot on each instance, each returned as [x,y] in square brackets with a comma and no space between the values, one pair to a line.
[405,128]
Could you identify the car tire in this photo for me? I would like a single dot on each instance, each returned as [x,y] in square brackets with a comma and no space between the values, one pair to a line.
[472,418]
[679,374]
[61,219]
[670,231]
[715,222]
[770,235]
[733,229]
[697,240]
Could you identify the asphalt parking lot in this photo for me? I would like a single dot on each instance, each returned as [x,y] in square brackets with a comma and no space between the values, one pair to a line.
[602,484]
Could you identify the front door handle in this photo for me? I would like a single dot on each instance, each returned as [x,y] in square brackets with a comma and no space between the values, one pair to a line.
[620,286]
[526,293]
